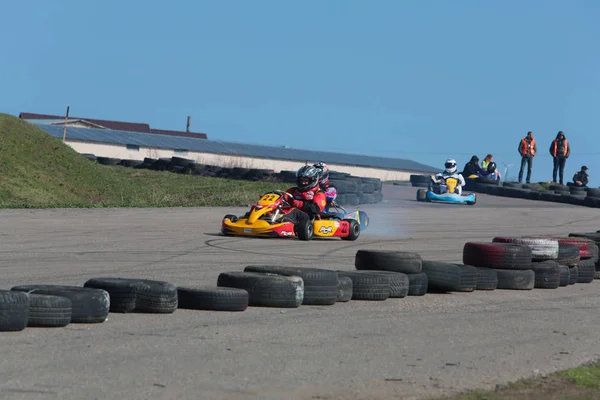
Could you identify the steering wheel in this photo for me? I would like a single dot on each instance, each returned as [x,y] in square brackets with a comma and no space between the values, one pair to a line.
[286,197]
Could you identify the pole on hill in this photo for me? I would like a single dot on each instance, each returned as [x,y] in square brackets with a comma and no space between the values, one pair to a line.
[66,121]
[187,129]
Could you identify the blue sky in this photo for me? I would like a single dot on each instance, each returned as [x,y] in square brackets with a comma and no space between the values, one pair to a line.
[416,79]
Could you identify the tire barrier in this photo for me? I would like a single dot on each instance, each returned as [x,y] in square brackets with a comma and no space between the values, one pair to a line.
[505,262]
[588,197]
[352,190]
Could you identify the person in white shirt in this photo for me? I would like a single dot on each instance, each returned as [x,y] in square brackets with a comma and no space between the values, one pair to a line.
[449,172]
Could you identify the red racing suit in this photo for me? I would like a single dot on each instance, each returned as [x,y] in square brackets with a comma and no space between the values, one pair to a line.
[311,202]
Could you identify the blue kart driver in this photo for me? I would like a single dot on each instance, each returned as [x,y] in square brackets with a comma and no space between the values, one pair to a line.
[450,172]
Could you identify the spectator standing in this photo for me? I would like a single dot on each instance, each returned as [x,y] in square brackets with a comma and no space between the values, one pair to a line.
[560,150]
[527,150]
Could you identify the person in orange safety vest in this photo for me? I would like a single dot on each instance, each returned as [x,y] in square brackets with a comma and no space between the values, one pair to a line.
[527,150]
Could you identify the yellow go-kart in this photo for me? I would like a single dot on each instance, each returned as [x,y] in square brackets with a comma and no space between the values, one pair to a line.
[267,218]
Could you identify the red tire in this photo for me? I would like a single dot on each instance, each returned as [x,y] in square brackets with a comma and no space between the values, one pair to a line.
[541,248]
[497,255]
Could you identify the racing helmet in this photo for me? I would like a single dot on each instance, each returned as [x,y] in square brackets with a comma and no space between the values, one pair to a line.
[323,172]
[307,178]
[450,165]
[491,168]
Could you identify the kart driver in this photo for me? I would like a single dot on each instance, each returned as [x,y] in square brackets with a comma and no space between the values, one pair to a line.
[307,199]
[449,172]
[330,191]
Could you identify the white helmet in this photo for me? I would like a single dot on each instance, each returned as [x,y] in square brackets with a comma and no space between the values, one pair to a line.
[450,165]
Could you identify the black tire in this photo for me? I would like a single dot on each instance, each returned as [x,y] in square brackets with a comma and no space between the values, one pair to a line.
[108,160]
[564,275]
[344,289]
[388,260]
[14,310]
[354,230]
[421,194]
[573,275]
[418,284]
[345,186]
[266,290]
[468,278]
[487,279]
[231,217]
[593,192]
[88,305]
[442,276]
[568,254]
[420,178]
[497,255]
[399,282]
[212,298]
[348,199]
[586,271]
[131,163]
[304,229]
[122,292]
[547,274]
[48,311]
[516,279]
[320,285]
[370,287]
[156,297]
[182,162]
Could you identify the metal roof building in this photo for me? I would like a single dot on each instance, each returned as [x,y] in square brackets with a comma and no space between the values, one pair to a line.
[183,145]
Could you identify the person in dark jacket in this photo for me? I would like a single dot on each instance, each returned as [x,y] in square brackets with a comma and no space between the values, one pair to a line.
[472,168]
[580,178]
[560,150]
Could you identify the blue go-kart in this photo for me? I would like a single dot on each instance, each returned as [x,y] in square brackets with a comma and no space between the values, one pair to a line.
[446,192]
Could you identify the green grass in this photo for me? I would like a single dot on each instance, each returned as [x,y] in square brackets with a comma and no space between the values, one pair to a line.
[40,171]
[581,383]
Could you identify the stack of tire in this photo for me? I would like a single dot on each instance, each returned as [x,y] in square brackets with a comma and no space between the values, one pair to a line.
[422,276]
[574,195]
[354,190]
[420,180]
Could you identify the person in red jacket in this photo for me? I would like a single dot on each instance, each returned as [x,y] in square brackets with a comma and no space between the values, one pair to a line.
[306,198]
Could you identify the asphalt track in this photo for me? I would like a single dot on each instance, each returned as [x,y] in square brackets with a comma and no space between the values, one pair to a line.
[407,348]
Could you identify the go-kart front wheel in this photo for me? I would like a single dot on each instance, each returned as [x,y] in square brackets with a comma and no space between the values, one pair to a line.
[305,230]
[231,217]
[421,194]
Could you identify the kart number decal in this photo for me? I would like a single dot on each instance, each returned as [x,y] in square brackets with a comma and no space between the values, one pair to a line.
[286,233]
[326,229]
[270,197]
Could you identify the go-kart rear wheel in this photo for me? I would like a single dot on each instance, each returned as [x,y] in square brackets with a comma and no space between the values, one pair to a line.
[231,217]
[305,230]
[421,194]
[354,230]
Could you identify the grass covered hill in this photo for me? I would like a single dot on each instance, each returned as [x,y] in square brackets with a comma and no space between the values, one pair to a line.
[38,170]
